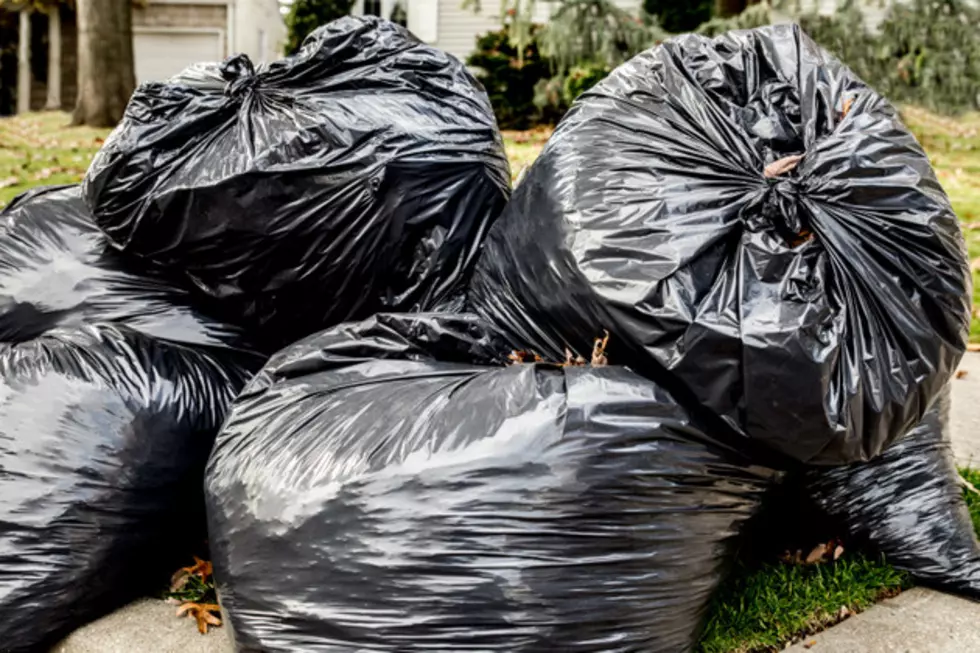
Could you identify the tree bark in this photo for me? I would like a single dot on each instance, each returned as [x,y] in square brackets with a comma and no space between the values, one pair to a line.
[106,76]
[24,62]
[54,59]
[725,8]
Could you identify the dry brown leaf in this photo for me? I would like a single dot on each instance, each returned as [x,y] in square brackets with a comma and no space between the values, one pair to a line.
[599,351]
[781,166]
[971,226]
[960,374]
[810,644]
[817,554]
[178,580]
[838,552]
[203,613]
[973,346]
[848,103]
[793,558]
[9,181]
[46,173]
[202,568]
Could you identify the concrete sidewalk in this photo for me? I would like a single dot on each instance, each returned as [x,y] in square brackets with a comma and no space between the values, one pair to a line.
[147,626]
[918,621]
[965,415]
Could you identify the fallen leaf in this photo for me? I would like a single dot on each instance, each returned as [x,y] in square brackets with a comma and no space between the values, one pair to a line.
[810,644]
[203,613]
[973,346]
[962,374]
[599,351]
[975,264]
[838,552]
[970,226]
[179,580]
[793,558]
[202,568]
[46,173]
[817,554]
[781,166]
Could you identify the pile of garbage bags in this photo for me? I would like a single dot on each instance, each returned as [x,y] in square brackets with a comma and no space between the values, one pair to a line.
[423,416]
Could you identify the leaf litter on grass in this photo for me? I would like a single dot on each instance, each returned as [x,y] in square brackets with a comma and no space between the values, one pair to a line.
[41,149]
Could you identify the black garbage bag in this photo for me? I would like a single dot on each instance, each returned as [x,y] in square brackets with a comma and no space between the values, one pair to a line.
[58,270]
[817,309]
[104,434]
[357,175]
[372,492]
[909,505]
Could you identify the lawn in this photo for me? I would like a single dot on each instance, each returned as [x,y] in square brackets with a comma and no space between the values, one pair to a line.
[764,604]
[39,150]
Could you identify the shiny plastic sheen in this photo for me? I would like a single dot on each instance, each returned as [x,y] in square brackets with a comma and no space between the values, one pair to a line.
[58,270]
[358,175]
[104,434]
[909,505]
[818,311]
[398,502]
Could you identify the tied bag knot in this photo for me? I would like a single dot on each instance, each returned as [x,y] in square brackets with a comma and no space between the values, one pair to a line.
[779,206]
[239,73]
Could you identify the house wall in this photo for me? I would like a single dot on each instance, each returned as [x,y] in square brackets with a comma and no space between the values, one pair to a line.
[260,31]
[459,27]
[181,15]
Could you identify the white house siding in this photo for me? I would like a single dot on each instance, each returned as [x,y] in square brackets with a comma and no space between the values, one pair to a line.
[260,31]
[459,27]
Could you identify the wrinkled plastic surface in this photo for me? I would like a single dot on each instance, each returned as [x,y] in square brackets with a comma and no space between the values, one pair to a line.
[817,312]
[104,434]
[357,175]
[407,503]
[909,505]
[58,270]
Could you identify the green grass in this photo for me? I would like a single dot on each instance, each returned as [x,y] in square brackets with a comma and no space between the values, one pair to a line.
[764,607]
[39,149]
[523,148]
[972,498]
[953,145]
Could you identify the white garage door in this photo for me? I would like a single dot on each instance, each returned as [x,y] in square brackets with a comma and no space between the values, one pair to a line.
[161,55]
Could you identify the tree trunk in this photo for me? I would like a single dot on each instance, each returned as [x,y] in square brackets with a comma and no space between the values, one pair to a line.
[725,8]
[105,61]
[54,59]
[24,62]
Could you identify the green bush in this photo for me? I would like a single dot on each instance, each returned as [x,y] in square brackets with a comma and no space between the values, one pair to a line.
[926,52]
[510,80]
[306,15]
[677,17]
[556,94]
[581,78]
